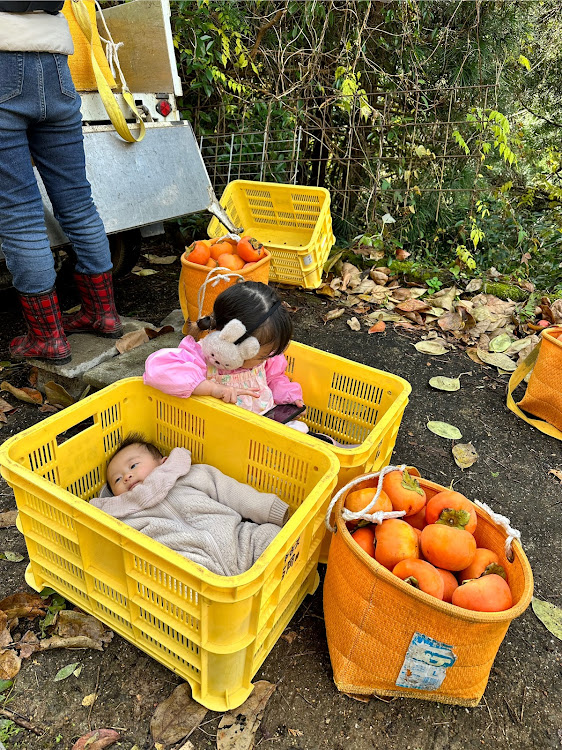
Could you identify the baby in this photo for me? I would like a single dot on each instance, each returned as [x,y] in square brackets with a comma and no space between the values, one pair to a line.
[193,509]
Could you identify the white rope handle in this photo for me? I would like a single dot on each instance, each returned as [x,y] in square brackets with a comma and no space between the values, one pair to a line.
[380,515]
[111,50]
[213,281]
[505,524]
[229,236]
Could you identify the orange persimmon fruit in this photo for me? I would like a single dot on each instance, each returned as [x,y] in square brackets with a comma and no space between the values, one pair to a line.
[250,250]
[396,540]
[454,501]
[450,583]
[417,520]
[211,263]
[404,491]
[486,594]
[199,253]
[483,560]
[365,538]
[421,575]
[220,248]
[446,543]
[356,501]
[228,260]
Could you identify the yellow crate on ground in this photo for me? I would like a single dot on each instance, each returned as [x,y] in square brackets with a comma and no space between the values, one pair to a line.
[353,403]
[292,221]
[214,631]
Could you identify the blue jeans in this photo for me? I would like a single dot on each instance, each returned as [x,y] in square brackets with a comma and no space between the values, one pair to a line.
[40,119]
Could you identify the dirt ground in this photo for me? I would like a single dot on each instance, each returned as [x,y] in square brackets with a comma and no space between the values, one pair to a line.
[522,706]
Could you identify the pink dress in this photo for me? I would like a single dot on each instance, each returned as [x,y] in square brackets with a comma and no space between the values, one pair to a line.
[179,371]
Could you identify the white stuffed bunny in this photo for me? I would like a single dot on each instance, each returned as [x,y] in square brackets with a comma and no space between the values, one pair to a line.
[219,347]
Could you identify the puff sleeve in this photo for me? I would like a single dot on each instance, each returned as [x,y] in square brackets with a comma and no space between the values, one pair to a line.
[284,391]
[176,371]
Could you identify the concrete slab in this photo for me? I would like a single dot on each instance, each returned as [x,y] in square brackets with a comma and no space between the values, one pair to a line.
[175,319]
[129,364]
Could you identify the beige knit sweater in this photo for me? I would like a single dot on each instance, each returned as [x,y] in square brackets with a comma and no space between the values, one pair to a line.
[199,512]
[35,32]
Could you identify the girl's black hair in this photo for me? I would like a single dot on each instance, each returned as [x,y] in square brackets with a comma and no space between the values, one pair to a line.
[249,302]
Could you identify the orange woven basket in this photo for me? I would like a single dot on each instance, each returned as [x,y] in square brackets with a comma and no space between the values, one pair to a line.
[193,275]
[543,397]
[387,638]
[80,63]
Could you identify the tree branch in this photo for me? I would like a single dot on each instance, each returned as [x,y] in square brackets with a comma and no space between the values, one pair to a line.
[261,31]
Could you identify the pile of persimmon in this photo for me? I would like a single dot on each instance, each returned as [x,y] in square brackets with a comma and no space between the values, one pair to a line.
[226,253]
[433,548]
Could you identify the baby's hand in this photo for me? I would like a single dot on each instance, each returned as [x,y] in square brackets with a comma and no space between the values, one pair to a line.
[229,394]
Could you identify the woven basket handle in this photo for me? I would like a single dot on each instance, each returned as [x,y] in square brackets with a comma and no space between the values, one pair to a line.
[523,369]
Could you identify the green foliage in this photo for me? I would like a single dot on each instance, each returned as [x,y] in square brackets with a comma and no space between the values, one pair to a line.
[8,729]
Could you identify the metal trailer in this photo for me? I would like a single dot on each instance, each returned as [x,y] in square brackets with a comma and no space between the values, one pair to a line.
[138,186]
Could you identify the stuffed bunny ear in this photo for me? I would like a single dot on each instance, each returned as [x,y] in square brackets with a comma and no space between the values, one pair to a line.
[233,330]
[249,347]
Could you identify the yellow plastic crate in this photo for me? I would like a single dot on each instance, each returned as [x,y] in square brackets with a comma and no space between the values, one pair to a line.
[352,403]
[214,631]
[292,221]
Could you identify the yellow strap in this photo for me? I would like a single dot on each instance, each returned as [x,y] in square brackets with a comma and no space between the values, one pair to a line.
[109,102]
[518,376]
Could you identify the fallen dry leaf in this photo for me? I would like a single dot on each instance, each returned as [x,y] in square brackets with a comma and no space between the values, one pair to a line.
[77,630]
[29,395]
[97,740]
[333,314]
[497,359]
[5,407]
[290,636]
[326,290]
[10,664]
[402,254]
[474,285]
[464,454]
[89,700]
[556,309]
[444,430]
[57,395]
[158,260]
[8,518]
[144,272]
[378,277]
[28,645]
[351,276]
[354,324]
[24,605]
[154,333]
[378,327]
[295,732]
[413,305]
[131,340]
[237,728]
[430,347]
[177,716]
[48,408]
[556,473]
[450,321]
[5,635]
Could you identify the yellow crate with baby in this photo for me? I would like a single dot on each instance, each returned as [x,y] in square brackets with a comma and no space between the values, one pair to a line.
[247,358]
[207,593]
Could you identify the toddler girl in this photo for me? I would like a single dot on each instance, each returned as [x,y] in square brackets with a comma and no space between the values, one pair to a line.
[241,361]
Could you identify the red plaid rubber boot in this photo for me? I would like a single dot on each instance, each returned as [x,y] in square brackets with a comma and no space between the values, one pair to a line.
[45,338]
[98,313]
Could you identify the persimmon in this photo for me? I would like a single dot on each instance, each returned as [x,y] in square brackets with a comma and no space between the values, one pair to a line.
[404,491]
[220,248]
[359,499]
[417,520]
[233,243]
[421,575]
[396,540]
[234,262]
[453,500]
[486,594]
[365,538]
[483,559]
[446,543]
[250,250]
[200,253]
[211,263]
[450,583]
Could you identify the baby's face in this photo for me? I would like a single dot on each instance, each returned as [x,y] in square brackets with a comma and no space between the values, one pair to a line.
[130,467]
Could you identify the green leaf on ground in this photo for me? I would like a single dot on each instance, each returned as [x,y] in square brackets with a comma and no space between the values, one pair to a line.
[445,384]
[550,615]
[65,672]
[445,430]
[501,343]
[11,556]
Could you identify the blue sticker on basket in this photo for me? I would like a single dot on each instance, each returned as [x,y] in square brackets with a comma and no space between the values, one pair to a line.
[426,663]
